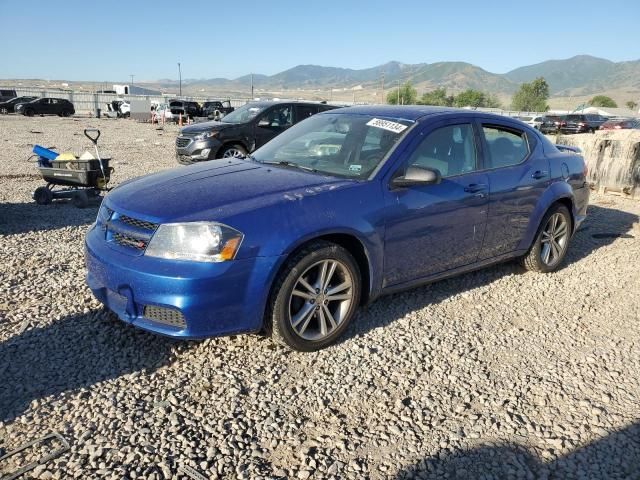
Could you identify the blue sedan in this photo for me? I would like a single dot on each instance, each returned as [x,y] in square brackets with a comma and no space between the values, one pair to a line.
[344,207]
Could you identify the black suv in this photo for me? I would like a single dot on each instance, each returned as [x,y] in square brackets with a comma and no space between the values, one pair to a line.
[582,123]
[209,108]
[242,131]
[7,95]
[46,106]
[185,108]
[9,106]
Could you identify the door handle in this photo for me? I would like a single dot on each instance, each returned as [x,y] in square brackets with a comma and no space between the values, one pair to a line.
[538,174]
[475,188]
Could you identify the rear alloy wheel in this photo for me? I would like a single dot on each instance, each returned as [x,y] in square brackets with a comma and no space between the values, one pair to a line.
[550,245]
[234,151]
[66,113]
[29,113]
[315,297]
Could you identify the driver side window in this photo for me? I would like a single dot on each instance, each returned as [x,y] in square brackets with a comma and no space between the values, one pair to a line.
[450,150]
[278,117]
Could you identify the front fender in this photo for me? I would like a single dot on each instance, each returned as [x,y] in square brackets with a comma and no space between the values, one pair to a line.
[554,192]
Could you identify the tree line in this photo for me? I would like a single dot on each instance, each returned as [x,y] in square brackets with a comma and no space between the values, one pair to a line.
[530,97]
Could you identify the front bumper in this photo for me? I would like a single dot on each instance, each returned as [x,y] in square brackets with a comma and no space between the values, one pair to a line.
[213,298]
[190,150]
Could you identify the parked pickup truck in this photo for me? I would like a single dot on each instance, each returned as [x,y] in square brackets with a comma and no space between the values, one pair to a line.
[209,109]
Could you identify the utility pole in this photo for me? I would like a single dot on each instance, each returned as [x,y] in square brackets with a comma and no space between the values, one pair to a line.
[252,97]
[382,88]
[131,81]
[398,92]
[180,77]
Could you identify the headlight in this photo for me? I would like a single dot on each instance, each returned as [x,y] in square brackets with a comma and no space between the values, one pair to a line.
[205,135]
[196,241]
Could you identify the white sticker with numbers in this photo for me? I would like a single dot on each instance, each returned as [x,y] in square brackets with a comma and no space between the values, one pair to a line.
[394,127]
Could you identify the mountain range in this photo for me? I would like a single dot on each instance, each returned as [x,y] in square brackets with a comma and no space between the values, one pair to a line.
[579,75]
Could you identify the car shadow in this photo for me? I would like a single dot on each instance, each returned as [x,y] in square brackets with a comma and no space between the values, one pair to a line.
[17,218]
[73,353]
[615,456]
[608,224]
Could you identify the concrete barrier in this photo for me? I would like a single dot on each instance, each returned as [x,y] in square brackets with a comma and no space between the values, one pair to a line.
[613,158]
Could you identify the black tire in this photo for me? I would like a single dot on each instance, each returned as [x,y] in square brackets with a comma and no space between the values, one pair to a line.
[43,196]
[127,114]
[80,199]
[29,112]
[534,259]
[226,151]
[278,316]
[66,113]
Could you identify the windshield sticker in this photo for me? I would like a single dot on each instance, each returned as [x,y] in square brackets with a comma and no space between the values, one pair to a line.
[355,168]
[386,125]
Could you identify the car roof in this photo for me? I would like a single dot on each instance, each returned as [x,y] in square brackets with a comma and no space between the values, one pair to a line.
[414,113]
[266,103]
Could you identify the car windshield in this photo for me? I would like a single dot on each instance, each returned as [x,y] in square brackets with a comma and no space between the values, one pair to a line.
[244,113]
[343,145]
[573,118]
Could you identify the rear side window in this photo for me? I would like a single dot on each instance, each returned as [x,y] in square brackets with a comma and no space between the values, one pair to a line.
[450,150]
[305,111]
[505,146]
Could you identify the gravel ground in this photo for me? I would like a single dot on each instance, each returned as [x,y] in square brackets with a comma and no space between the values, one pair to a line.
[497,374]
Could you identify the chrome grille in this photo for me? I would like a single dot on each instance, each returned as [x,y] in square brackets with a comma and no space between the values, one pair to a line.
[134,222]
[130,242]
[167,316]
[182,142]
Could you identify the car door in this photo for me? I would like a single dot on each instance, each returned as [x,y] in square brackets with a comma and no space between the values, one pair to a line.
[434,228]
[518,174]
[272,122]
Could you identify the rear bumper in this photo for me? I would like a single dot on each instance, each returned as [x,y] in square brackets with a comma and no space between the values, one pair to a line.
[213,299]
[583,129]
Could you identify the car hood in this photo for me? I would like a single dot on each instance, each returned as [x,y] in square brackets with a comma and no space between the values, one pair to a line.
[215,190]
[206,127]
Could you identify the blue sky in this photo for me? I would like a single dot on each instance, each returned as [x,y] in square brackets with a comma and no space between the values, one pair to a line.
[75,40]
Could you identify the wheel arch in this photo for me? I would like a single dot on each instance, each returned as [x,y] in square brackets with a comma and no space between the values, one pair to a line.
[350,242]
[230,143]
[557,193]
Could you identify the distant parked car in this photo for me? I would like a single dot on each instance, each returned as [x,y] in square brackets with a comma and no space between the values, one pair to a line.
[582,123]
[7,95]
[620,124]
[161,111]
[551,124]
[185,108]
[46,106]
[209,108]
[532,121]
[9,106]
[242,131]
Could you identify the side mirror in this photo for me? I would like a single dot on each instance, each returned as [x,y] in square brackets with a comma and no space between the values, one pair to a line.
[264,123]
[417,176]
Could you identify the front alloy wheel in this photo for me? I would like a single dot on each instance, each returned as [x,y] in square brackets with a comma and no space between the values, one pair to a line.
[314,297]
[320,300]
[234,151]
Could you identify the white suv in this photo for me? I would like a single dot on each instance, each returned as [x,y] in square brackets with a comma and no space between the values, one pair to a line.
[534,122]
